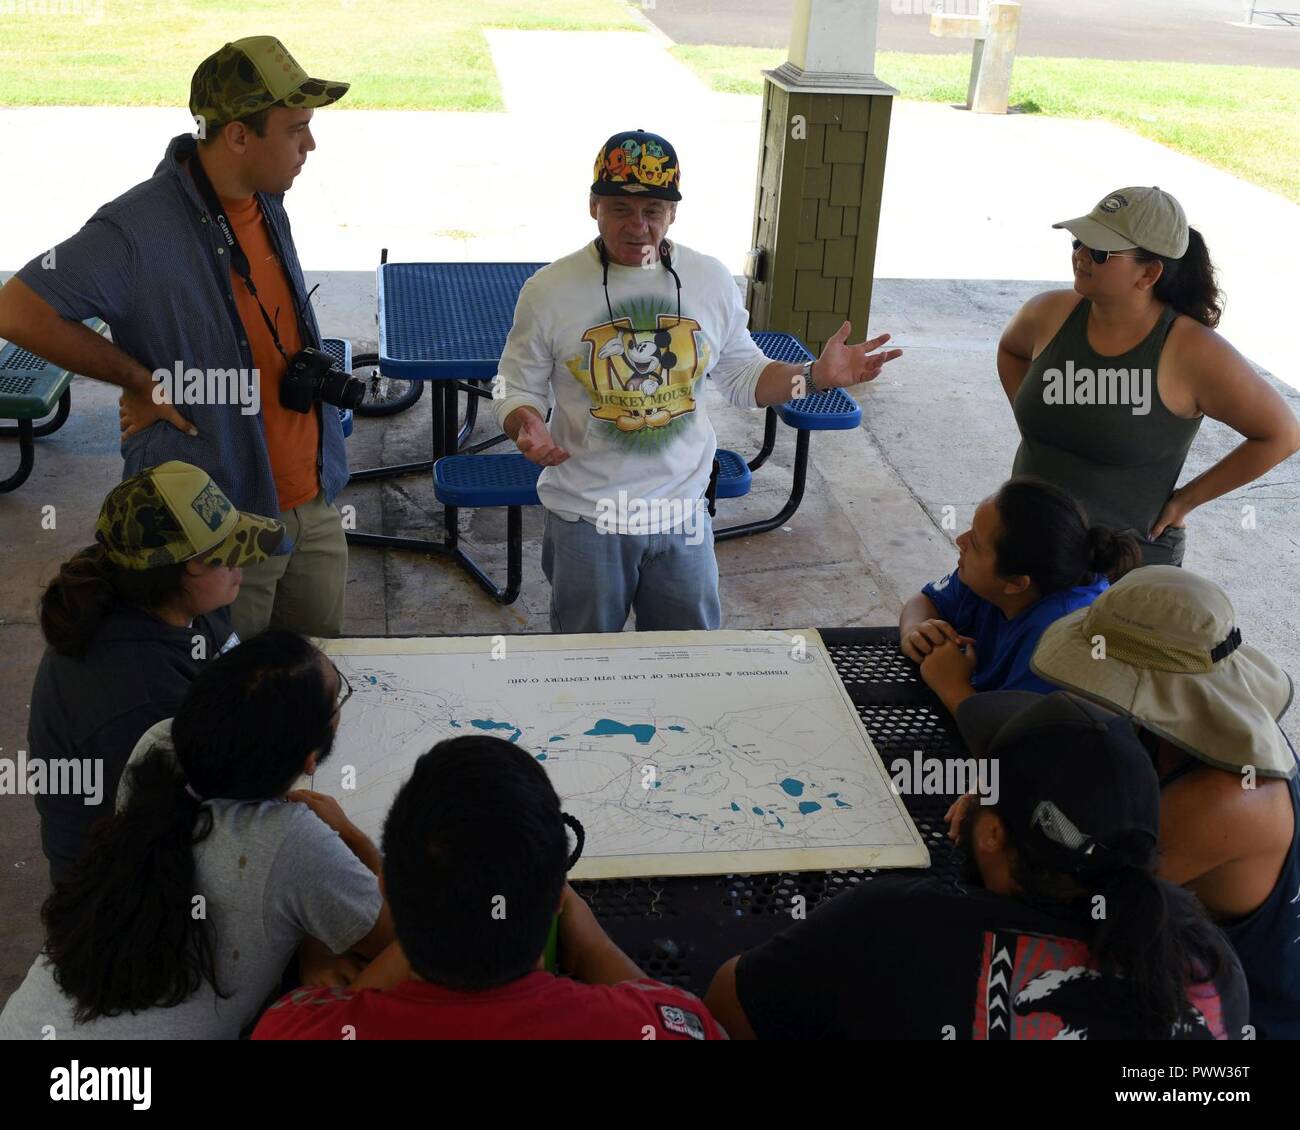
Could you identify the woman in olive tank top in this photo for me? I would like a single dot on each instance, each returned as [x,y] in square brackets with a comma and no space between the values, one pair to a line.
[1109,381]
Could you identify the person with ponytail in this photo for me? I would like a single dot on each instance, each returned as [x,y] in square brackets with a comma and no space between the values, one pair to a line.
[1207,706]
[1062,930]
[179,920]
[1029,558]
[1109,381]
[129,622]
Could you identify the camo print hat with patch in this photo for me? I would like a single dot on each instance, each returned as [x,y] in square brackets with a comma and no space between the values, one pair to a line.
[175,512]
[251,74]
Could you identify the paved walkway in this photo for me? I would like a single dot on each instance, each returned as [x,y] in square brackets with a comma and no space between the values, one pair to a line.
[955,262]
[1184,31]
[966,196]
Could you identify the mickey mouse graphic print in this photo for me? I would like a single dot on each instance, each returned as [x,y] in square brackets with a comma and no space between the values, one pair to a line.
[627,379]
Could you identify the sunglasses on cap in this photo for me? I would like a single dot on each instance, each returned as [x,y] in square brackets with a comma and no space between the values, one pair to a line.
[1099,257]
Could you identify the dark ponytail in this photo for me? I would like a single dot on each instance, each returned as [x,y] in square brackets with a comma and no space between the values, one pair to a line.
[1046,537]
[1190,284]
[1151,937]
[1112,554]
[122,932]
[89,587]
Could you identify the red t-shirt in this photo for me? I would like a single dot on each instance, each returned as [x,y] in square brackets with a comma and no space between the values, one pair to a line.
[539,1006]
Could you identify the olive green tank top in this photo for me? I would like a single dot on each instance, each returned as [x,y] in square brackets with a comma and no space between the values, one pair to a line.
[1096,427]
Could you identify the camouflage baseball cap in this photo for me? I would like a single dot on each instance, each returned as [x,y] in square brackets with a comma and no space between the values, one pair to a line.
[251,74]
[174,512]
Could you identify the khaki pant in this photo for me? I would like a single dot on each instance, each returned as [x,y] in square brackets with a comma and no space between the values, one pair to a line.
[302,590]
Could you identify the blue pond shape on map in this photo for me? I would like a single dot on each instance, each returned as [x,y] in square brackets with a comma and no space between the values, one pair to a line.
[679,729]
[735,807]
[489,724]
[758,811]
[558,738]
[642,731]
[792,786]
[541,757]
[807,806]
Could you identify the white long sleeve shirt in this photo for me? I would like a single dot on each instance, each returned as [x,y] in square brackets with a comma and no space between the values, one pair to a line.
[626,392]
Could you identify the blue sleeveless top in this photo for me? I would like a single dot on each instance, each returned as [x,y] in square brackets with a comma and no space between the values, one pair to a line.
[1267,942]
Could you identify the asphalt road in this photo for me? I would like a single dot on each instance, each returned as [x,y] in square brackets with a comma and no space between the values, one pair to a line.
[1189,31]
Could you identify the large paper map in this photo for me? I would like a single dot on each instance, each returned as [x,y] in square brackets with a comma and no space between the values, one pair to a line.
[681,753]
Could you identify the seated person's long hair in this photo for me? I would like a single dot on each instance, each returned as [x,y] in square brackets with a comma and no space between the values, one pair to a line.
[89,587]
[121,932]
[1152,941]
[1046,537]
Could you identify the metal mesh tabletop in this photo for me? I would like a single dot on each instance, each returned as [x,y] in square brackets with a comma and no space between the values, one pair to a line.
[443,321]
[29,385]
[680,930]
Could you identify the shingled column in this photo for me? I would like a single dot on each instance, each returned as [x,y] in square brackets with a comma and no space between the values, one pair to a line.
[825,127]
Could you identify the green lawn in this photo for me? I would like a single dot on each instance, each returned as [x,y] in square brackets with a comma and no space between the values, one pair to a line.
[1243,119]
[432,55]
[398,54]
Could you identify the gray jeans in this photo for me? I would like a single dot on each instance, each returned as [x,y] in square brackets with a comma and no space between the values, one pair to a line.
[598,577]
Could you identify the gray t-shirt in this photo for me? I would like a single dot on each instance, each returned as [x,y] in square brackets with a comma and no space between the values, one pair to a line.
[271,873]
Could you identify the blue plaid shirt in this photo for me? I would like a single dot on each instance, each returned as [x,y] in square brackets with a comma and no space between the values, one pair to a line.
[147,263]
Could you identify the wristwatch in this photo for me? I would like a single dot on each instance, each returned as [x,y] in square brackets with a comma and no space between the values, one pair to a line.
[808,381]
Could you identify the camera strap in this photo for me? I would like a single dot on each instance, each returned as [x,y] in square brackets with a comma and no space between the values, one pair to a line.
[238,260]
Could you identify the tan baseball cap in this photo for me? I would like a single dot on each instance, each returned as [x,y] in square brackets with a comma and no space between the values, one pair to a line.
[1148,218]
[174,512]
[1162,647]
[252,74]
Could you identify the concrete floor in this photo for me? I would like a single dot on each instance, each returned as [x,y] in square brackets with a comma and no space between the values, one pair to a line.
[936,431]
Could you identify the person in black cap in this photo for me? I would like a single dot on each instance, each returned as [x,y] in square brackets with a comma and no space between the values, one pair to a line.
[1066,932]
[622,333]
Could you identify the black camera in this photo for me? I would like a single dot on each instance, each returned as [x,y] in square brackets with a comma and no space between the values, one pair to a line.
[311,376]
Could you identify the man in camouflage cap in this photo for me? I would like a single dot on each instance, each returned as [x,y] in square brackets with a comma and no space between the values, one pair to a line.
[195,269]
[175,512]
[251,75]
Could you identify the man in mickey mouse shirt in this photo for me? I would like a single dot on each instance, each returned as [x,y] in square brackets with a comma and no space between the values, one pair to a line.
[621,334]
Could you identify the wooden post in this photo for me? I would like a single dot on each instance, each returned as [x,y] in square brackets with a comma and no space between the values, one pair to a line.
[825,129]
[995,29]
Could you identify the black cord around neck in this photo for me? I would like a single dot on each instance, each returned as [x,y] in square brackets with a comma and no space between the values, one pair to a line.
[665,257]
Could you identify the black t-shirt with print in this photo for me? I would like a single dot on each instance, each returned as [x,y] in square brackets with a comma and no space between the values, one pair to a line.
[908,958]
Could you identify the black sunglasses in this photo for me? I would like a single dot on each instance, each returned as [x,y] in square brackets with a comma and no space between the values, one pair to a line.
[1099,257]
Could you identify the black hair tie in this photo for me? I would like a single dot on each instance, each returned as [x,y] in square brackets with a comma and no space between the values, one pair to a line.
[579,835]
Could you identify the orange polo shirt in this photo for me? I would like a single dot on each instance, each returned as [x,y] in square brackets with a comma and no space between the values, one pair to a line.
[292,438]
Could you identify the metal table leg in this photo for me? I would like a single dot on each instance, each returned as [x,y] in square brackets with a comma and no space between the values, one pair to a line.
[26,458]
[801,445]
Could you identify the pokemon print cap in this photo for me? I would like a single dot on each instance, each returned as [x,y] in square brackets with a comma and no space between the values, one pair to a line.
[636,163]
